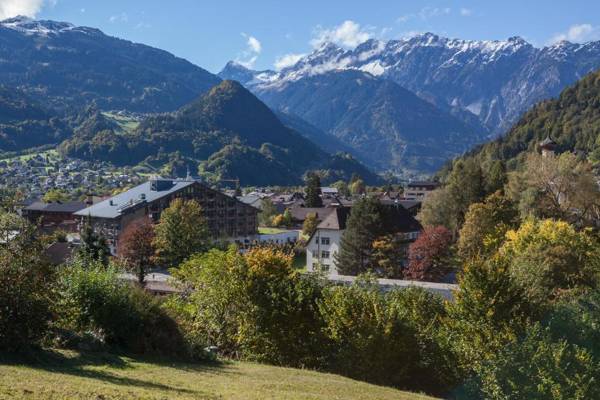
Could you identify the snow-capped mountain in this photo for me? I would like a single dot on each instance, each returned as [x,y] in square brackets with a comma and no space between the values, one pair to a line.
[386,126]
[65,66]
[493,80]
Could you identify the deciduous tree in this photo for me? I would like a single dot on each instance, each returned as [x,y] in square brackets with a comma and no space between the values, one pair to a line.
[485,226]
[136,247]
[310,224]
[429,257]
[181,232]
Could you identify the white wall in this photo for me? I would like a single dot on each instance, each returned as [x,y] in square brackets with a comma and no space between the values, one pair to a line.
[315,249]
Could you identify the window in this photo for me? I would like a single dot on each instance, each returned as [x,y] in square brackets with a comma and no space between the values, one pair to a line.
[325,240]
[413,235]
[324,254]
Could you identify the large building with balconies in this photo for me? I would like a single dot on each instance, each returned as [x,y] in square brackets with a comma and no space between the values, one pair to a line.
[227,217]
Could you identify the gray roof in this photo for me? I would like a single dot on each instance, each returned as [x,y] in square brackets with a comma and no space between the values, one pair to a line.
[58,207]
[130,198]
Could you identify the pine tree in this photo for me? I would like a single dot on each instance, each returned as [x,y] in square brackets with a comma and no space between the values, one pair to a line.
[313,190]
[93,245]
[364,225]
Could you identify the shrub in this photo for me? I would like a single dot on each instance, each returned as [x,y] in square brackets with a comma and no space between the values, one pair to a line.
[537,368]
[384,338]
[95,300]
[253,306]
[550,259]
[25,285]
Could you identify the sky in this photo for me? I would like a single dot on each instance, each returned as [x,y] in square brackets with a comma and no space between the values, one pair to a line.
[270,34]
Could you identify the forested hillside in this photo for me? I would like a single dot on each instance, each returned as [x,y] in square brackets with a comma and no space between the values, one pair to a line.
[66,65]
[26,124]
[572,120]
[226,133]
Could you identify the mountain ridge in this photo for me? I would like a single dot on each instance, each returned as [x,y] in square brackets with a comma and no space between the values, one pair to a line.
[227,133]
[494,80]
[65,65]
[386,126]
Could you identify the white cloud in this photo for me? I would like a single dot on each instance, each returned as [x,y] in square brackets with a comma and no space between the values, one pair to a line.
[254,44]
[123,17]
[430,12]
[465,12]
[426,13]
[143,25]
[249,56]
[578,33]
[287,60]
[29,8]
[348,34]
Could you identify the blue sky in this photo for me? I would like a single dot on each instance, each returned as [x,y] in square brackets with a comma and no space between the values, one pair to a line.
[264,33]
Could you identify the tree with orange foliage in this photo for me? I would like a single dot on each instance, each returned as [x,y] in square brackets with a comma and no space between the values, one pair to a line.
[429,257]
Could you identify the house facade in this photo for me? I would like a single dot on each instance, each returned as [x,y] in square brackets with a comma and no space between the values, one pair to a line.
[227,217]
[419,190]
[54,215]
[325,243]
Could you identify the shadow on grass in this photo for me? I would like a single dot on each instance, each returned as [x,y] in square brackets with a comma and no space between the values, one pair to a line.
[74,363]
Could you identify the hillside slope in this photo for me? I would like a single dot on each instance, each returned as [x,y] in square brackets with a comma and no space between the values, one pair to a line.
[228,132]
[66,65]
[25,124]
[70,375]
[387,126]
[572,120]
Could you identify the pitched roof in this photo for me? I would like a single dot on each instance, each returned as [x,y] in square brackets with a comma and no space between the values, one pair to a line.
[57,207]
[300,213]
[133,197]
[423,183]
[548,142]
[336,219]
[396,218]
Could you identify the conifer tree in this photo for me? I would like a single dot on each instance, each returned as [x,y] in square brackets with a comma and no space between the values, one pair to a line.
[93,245]
[364,225]
[313,190]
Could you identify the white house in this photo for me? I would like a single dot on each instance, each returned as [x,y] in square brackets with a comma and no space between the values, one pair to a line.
[324,244]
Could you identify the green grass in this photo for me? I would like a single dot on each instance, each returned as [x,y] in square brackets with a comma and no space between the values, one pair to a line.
[26,155]
[74,375]
[126,124]
[263,230]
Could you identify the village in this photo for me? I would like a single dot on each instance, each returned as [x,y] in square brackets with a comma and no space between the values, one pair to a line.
[249,219]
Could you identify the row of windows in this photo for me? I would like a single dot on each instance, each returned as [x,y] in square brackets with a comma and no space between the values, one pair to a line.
[324,254]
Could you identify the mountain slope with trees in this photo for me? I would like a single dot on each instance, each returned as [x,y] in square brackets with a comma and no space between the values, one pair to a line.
[572,120]
[387,126]
[26,124]
[66,65]
[226,133]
